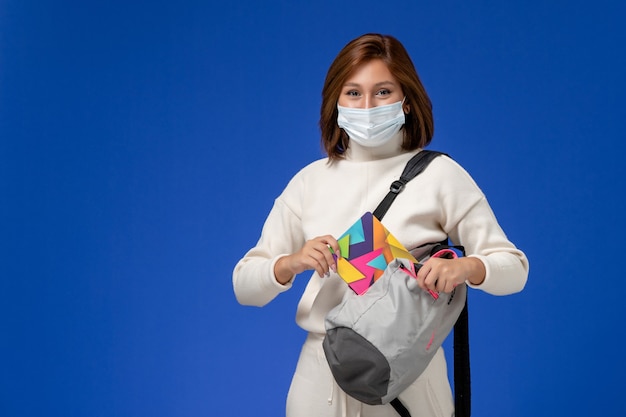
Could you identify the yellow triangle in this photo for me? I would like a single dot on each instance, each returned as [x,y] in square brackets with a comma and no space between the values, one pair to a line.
[348,272]
[402,253]
[391,239]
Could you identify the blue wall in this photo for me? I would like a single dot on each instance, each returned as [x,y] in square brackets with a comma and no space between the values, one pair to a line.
[142,144]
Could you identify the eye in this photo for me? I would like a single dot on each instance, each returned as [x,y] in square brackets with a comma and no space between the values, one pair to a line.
[383,92]
[352,93]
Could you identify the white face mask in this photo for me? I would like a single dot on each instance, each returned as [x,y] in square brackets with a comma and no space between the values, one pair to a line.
[371,127]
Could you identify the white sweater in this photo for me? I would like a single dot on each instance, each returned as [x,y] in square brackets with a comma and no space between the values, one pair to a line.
[326,198]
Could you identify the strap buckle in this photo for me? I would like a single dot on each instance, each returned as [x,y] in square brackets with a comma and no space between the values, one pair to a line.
[397,187]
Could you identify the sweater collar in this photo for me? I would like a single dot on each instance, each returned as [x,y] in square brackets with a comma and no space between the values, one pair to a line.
[393,147]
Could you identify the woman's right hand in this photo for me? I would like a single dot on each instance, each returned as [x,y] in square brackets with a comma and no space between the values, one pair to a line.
[315,254]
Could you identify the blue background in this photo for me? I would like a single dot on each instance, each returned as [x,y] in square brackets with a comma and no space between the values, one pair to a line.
[142,144]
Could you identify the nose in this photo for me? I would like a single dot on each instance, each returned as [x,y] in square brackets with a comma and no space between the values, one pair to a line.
[368,102]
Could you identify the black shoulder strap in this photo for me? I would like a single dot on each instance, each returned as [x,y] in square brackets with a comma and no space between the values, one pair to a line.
[413,168]
[462,380]
[462,388]
[400,408]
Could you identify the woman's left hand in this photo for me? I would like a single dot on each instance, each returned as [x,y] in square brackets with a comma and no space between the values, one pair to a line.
[443,275]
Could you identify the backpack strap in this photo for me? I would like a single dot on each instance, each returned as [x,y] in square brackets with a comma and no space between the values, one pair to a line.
[400,408]
[462,390]
[413,168]
[462,383]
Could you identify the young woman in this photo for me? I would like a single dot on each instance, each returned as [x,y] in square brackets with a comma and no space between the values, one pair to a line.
[375,116]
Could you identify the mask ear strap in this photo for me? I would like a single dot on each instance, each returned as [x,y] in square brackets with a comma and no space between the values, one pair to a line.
[341,146]
[406,109]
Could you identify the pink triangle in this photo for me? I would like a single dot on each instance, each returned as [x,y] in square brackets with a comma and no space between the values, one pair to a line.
[361,264]
[361,286]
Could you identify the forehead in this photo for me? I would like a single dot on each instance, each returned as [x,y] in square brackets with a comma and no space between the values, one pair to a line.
[371,72]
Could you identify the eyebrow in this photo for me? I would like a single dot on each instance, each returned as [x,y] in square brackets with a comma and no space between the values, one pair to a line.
[380,84]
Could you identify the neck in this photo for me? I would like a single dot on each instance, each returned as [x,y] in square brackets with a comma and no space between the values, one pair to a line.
[392,147]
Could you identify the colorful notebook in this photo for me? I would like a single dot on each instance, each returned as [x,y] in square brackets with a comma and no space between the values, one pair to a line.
[366,249]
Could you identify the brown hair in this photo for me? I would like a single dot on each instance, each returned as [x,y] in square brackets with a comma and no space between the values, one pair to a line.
[418,127]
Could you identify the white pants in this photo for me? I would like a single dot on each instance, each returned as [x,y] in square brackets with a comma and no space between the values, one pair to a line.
[314,392]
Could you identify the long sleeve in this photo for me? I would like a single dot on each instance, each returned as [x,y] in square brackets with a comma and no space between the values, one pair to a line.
[254,282]
[473,224]
[506,267]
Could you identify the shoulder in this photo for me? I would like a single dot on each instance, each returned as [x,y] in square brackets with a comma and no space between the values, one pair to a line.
[304,176]
[448,169]
[449,181]
[315,167]
[311,170]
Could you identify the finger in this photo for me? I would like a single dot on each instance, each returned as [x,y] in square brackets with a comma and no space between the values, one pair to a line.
[332,244]
[431,281]
[330,251]
[318,267]
[319,260]
[423,272]
[421,275]
[311,259]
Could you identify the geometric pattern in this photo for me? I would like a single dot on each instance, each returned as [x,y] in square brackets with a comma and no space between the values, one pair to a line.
[366,249]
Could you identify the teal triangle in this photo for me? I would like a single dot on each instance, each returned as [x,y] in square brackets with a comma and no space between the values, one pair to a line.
[356,233]
[378,262]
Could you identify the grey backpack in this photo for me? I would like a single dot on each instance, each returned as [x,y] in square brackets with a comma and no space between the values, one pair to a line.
[378,343]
